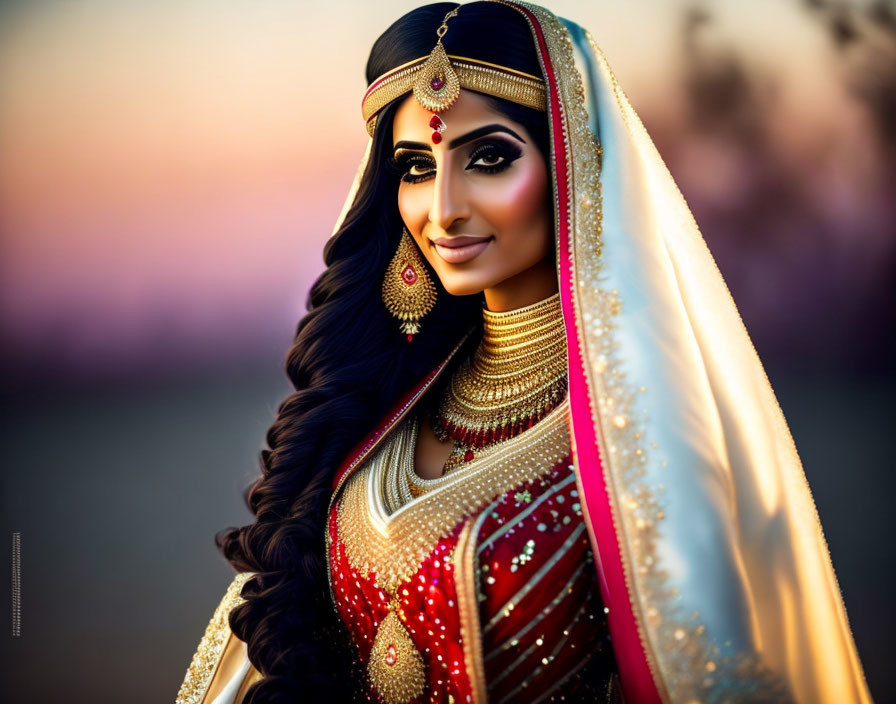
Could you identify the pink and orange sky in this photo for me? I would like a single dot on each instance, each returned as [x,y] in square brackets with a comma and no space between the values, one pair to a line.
[171,170]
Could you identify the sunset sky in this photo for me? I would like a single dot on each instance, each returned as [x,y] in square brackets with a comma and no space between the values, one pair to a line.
[171,170]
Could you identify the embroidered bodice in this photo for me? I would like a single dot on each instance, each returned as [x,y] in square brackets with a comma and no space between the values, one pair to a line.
[483,585]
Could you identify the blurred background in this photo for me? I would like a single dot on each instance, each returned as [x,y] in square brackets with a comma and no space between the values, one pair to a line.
[169,173]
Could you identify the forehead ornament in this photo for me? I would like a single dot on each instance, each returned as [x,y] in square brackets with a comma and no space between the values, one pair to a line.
[437,86]
[436,81]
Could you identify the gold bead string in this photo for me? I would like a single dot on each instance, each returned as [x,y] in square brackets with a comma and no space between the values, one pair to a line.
[516,376]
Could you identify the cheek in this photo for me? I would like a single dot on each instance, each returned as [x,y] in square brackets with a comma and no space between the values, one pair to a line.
[414,206]
[518,203]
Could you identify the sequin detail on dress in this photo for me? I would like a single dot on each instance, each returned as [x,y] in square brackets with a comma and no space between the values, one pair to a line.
[466,611]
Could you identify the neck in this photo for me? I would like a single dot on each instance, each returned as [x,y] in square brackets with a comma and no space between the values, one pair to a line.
[534,284]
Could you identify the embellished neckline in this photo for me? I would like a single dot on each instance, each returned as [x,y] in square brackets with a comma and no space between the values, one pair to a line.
[371,531]
[396,475]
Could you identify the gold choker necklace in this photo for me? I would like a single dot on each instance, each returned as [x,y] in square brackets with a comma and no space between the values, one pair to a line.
[517,375]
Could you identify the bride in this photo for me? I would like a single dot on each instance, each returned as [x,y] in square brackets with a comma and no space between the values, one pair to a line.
[532,454]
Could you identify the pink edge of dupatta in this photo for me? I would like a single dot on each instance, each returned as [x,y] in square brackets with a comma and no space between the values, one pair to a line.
[637,679]
[396,412]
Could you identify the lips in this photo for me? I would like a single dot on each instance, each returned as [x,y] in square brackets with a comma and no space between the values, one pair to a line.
[460,249]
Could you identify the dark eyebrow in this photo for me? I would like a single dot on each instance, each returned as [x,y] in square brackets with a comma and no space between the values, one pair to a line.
[481,132]
[459,141]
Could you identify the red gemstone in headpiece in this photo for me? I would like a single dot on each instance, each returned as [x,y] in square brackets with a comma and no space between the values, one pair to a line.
[391,655]
[437,83]
[435,122]
[409,276]
[436,137]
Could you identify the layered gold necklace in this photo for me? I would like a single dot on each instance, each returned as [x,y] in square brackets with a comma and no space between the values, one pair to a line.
[516,376]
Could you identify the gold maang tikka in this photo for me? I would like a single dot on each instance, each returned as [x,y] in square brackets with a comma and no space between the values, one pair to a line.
[438,87]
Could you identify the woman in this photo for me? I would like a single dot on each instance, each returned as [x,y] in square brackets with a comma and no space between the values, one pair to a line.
[532,454]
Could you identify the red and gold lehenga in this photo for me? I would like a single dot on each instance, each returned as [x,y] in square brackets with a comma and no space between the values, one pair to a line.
[705,562]
[479,583]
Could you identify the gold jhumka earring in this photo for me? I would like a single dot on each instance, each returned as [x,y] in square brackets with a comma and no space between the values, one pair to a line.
[408,291]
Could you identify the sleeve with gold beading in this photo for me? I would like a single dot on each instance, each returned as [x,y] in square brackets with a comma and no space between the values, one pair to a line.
[220,672]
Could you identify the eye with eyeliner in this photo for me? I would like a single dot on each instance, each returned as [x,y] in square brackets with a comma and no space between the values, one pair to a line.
[490,157]
[492,150]
[406,161]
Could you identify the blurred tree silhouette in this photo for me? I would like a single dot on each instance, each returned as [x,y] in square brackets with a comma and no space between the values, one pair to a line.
[805,239]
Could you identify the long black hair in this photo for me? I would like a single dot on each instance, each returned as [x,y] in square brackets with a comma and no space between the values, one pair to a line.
[349,363]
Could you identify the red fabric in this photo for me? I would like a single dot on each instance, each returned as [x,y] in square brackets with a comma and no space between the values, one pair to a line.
[429,601]
[559,619]
[534,531]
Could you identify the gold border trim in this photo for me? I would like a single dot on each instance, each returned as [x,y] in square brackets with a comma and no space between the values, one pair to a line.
[473,74]
[468,607]
[208,654]
[393,546]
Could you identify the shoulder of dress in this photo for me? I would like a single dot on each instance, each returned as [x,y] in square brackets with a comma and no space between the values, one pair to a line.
[208,654]
[398,411]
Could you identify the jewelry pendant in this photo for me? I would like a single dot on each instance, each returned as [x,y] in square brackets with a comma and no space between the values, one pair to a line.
[408,291]
[395,667]
[437,87]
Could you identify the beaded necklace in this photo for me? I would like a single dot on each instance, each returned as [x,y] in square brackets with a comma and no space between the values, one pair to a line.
[516,376]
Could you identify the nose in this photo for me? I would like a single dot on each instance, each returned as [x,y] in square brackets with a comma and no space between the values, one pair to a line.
[450,204]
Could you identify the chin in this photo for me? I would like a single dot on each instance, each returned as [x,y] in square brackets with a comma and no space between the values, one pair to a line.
[464,289]
[458,284]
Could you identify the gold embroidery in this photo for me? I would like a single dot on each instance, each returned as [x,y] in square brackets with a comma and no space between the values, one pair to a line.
[467,590]
[361,456]
[208,655]
[393,546]
[395,667]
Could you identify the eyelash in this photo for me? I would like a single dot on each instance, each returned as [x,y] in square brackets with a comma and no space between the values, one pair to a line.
[507,152]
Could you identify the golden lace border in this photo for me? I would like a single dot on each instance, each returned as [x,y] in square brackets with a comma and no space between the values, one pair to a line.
[211,648]
[393,546]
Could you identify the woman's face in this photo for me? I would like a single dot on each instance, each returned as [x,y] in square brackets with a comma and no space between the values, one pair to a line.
[478,203]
